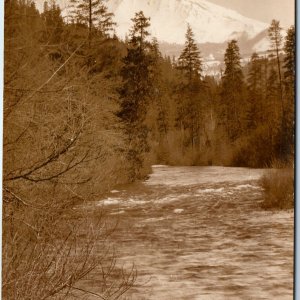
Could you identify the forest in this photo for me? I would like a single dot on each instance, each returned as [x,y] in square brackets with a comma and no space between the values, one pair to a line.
[85,111]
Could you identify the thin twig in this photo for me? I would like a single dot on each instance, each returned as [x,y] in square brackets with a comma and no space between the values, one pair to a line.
[88,292]
[53,75]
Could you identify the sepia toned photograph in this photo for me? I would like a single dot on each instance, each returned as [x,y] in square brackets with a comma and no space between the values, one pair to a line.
[148,150]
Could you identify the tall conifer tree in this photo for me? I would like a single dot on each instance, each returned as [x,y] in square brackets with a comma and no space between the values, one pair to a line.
[189,106]
[189,61]
[94,14]
[53,23]
[275,37]
[289,78]
[255,85]
[289,60]
[136,92]
[232,91]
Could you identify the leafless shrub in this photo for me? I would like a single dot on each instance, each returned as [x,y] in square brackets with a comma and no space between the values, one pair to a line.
[49,249]
[62,146]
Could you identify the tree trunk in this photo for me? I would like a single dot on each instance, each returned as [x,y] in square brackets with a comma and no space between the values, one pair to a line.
[90,23]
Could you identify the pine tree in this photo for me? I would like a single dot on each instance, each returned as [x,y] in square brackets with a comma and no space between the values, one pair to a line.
[93,14]
[275,37]
[21,16]
[136,92]
[90,29]
[286,135]
[189,61]
[255,82]
[189,103]
[53,23]
[289,60]
[273,114]
[158,88]
[136,72]
[289,78]
[138,33]
[232,91]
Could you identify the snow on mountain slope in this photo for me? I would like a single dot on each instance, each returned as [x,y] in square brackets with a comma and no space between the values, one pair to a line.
[264,44]
[169,18]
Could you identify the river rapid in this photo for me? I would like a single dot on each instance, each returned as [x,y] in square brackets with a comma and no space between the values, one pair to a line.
[199,233]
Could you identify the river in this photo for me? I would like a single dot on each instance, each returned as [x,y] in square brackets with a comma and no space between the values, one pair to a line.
[199,233]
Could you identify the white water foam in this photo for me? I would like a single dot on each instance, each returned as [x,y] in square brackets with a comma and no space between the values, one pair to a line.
[109,201]
[118,212]
[171,198]
[246,186]
[185,176]
[133,201]
[220,190]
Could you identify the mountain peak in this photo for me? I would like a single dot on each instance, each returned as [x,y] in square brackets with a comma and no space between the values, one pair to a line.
[169,18]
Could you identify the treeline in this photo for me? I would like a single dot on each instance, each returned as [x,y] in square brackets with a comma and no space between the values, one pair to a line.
[84,110]
[245,119]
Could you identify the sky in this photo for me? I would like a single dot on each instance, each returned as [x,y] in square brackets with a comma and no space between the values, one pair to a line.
[262,10]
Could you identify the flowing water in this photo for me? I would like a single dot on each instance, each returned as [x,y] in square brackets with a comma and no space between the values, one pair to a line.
[199,233]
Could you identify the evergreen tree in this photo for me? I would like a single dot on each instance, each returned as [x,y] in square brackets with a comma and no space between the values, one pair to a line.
[138,33]
[93,14]
[232,91]
[158,88]
[255,82]
[273,114]
[90,31]
[53,23]
[275,37]
[286,133]
[136,72]
[189,61]
[21,17]
[154,48]
[189,103]
[289,78]
[136,92]
[289,60]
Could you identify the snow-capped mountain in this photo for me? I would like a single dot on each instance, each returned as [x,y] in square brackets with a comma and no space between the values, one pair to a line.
[210,22]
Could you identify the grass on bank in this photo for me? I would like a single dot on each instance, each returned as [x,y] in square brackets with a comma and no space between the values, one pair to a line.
[278,185]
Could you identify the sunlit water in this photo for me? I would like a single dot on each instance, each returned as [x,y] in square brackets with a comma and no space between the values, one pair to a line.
[199,233]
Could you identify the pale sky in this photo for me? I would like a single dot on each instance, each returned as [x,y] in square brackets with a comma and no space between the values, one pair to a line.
[263,10]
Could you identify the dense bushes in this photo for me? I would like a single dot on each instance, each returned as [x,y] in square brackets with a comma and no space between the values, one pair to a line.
[255,150]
